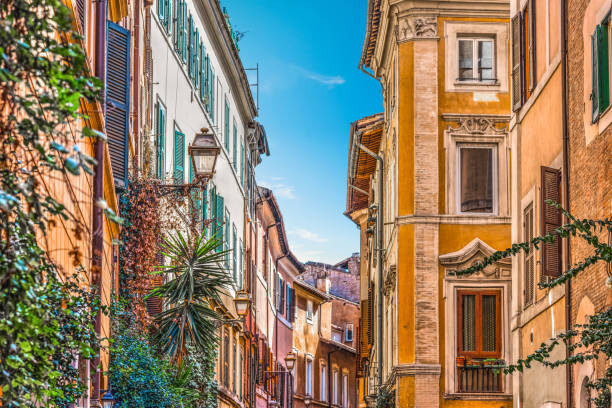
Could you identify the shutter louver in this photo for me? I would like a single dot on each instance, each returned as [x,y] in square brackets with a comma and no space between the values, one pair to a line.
[118,100]
[594,80]
[179,157]
[516,63]
[371,314]
[603,79]
[219,221]
[529,264]
[550,220]
[531,36]
[81,11]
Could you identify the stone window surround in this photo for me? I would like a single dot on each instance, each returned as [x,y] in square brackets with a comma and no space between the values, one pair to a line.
[477,131]
[452,285]
[453,30]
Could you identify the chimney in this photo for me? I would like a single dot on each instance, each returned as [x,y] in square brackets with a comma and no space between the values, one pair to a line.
[323,283]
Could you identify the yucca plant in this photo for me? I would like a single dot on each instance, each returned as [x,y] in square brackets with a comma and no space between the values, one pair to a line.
[196,279]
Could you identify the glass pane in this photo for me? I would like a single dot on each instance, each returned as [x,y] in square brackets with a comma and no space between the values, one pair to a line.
[489,323]
[466,59]
[468,321]
[476,180]
[485,59]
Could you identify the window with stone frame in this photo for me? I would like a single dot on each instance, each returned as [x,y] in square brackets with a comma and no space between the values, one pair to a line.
[528,258]
[477,179]
[476,59]
[308,382]
[478,340]
[323,381]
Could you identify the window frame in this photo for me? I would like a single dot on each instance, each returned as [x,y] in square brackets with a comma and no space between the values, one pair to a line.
[348,338]
[528,234]
[309,311]
[495,175]
[345,401]
[308,376]
[323,381]
[476,39]
[479,353]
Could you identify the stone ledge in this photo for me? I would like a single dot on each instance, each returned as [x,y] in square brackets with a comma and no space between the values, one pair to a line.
[478,397]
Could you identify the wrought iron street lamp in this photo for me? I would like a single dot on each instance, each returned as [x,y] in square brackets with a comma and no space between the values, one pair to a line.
[307,400]
[242,302]
[290,360]
[204,152]
[107,399]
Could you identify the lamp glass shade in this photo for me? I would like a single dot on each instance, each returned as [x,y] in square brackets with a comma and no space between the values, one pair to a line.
[107,400]
[307,400]
[290,360]
[204,152]
[242,301]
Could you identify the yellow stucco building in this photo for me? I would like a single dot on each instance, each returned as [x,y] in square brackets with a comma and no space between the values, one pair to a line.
[429,187]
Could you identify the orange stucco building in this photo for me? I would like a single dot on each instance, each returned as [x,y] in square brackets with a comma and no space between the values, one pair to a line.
[429,186]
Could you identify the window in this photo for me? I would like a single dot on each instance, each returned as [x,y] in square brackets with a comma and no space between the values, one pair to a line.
[337,336]
[234,370]
[226,244]
[309,311]
[524,55]
[241,266]
[551,220]
[323,381]
[164,12]
[226,129]
[529,258]
[289,302]
[476,59]
[477,166]
[345,403]
[348,332]
[179,156]
[160,139]
[336,386]
[234,254]
[600,69]
[226,357]
[479,324]
[309,376]
[240,370]
[235,147]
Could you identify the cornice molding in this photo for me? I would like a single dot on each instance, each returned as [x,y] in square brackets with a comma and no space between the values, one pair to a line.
[477,124]
[454,219]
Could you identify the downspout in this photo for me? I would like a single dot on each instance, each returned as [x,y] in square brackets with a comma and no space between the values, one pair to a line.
[566,197]
[379,248]
[136,83]
[97,240]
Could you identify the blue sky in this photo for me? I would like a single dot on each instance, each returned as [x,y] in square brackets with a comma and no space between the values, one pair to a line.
[310,91]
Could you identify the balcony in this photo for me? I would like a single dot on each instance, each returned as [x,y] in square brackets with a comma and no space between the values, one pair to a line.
[479,376]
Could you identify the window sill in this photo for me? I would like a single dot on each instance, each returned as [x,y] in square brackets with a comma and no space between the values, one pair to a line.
[309,320]
[498,396]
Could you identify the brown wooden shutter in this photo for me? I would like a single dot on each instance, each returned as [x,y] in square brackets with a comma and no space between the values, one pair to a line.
[516,62]
[371,314]
[531,38]
[529,261]
[293,310]
[550,220]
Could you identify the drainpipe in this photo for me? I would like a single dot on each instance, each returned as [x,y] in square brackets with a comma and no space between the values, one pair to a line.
[379,248]
[566,197]
[98,193]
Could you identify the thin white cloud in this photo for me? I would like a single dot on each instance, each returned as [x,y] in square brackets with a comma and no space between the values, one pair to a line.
[328,80]
[308,235]
[280,189]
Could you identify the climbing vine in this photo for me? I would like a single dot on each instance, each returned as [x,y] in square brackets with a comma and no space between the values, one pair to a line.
[586,342]
[46,311]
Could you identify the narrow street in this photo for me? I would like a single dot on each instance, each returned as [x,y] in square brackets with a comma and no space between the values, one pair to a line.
[342,204]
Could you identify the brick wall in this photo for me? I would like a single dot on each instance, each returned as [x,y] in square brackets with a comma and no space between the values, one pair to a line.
[590,169]
[343,276]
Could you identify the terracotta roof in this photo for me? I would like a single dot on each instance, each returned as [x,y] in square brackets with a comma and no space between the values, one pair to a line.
[361,166]
[372,25]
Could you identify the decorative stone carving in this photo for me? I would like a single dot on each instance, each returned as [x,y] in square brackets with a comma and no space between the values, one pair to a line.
[478,125]
[390,279]
[416,27]
[472,253]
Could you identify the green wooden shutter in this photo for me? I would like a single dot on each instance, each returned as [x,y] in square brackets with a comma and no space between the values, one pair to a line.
[242,164]
[185,35]
[179,157]
[235,148]
[603,79]
[227,232]
[211,90]
[219,220]
[176,24]
[202,73]
[160,140]
[594,81]
[195,193]
[235,254]
[213,210]
[227,125]
[204,207]
[190,45]
[168,22]
[160,10]
[118,100]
